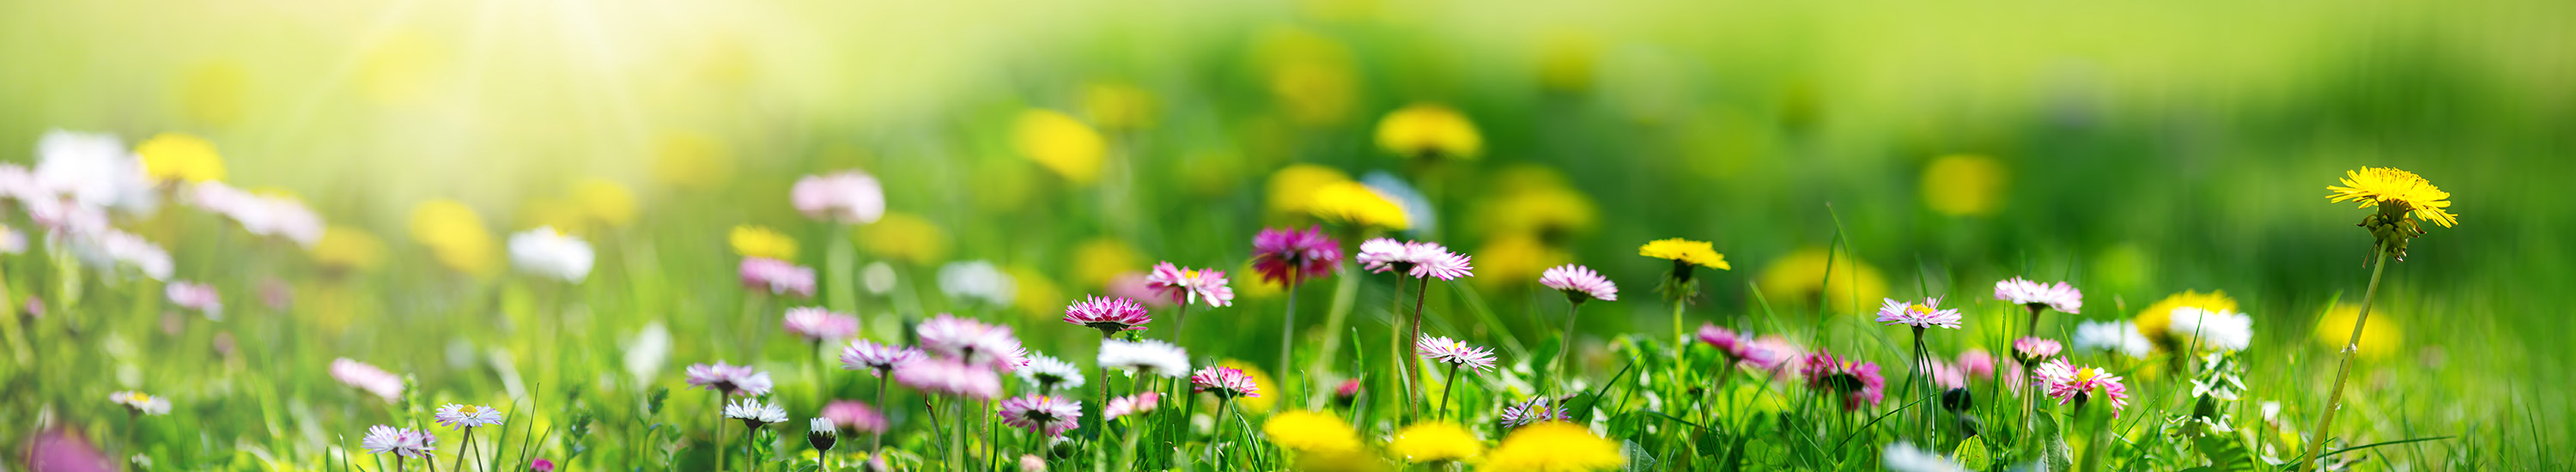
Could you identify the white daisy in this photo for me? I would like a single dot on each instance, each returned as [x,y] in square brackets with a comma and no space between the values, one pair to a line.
[1049,371]
[2119,336]
[1148,356]
[2224,330]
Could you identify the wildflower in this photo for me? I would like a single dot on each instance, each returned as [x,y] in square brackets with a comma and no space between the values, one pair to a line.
[1309,431]
[1918,315]
[384,384]
[2032,350]
[1418,215]
[1726,341]
[2220,330]
[1291,189]
[1050,373]
[1109,315]
[817,324]
[264,215]
[1965,185]
[2113,336]
[1579,282]
[692,159]
[2395,192]
[196,296]
[405,442]
[646,351]
[847,197]
[1132,404]
[1429,131]
[2068,383]
[12,241]
[1770,352]
[822,433]
[979,281]
[1148,356]
[1946,375]
[1454,352]
[605,201]
[1032,463]
[1259,380]
[180,157]
[1685,253]
[1904,457]
[2378,340]
[1287,256]
[1060,143]
[1444,266]
[761,242]
[777,277]
[2157,318]
[454,234]
[1225,382]
[1381,255]
[1356,204]
[1533,410]
[93,171]
[1434,442]
[969,341]
[875,358]
[541,465]
[349,248]
[1097,260]
[114,250]
[945,376]
[141,403]
[755,413]
[2059,296]
[905,237]
[1977,362]
[1506,260]
[545,252]
[467,416]
[730,380]
[1190,285]
[854,416]
[1553,447]
[1041,413]
[1858,382]
[1118,106]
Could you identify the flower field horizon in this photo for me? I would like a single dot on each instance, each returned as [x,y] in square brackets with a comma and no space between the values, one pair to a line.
[1328,235]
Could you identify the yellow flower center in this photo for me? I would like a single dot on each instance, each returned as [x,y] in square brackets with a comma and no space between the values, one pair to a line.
[1921,310]
[1190,274]
[466,410]
[2086,374]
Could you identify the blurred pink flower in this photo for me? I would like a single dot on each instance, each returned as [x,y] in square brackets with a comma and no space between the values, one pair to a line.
[1137,286]
[1978,363]
[875,358]
[777,277]
[817,324]
[1042,413]
[945,376]
[1579,282]
[196,296]
[2060,296]
[1858,382]
[849,196]
[1190,285]
[1132,404]
[366,377]
[60,450]
[854,416]
[970,341]
[1286,257]
[264,215]
[2033,350]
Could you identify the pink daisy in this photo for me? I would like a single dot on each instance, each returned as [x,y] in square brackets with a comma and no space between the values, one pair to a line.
[1132,404]
[2066,382]
[2033,350]
[854,416]
[1287,256]
[817,324]
[1109,315]
[944,376]
[1225,382]
[467,416]
[1858,382]
[1727,342]
[1454,352]
[366,377]
[1380,255]
[1533,410]
[1444,266]
[970,341]
[1919,315]
[1041,413]
[875,358]
[845,197]
[1185,286]
[1978,363]
[1139,286]
[196,296]
[2059,296]
[1579,283]
[730,380]
[777,277]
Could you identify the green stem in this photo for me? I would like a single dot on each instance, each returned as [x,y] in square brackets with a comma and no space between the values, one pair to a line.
[876,442]
[1413,357]
[1451,394]
[721,455]
[2343,367]
[1288,327]
[1564,349]
[1223,405]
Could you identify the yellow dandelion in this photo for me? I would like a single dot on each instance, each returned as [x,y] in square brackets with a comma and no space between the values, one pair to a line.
[455,235]
[1060,143]
[760,241]
[1553,447]
[1118,106]
[1269,388]
[605,201]
[905,237]
[1354,460]
[1100,259]
[1311,431]
[1964,185]
[1799,277]
[2394,192]
[1292,188]
[349,248]
[1352,203]
[1429,131]
[1685,251]
[1551,213]
[692,159]
[180,157]
[2380,335]
[1514,259]
[1434,442]
[2157,317]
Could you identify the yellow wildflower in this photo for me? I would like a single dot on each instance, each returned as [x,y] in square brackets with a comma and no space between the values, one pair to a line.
[455,236]
[1553,447]
[2395,191]
[1352,203]
[1434,442]
[905,237]
[2379,337]
[1060,143]
[691,159]
[760,241]
[1292,188]
[2157,317]
[180,157]
[1100,259]
[1685,251]
[1269,388]
[349,248]
[1310,75]
[605,201]
[1964,185]
[1429,131]
[1799,277]
[1311,431]
[1118,106]
[1514,259]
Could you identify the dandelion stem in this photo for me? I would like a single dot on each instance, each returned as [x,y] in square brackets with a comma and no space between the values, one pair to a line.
[2343,367]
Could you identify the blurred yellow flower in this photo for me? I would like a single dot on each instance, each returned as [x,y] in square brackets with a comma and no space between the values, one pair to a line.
[1429,131]
[1254,287]
[1351,203]
[212,93]
[1685,251]
[1799,278]
[1434,442]
[1965,185]
[1060,143]
[2379,339]
[1310,431]
[455,236]
[605,201]
[1292,188]
[905,237]
[1035,294]
[2395,191]
[760,241]
[1269,389]
[2157,317]
[1553,213]
[1100,259]
[692,159]
[349,248]
[1553,446]
[1310,75]
[1354,460]
[1514,260]
[180,157]
[1118,106]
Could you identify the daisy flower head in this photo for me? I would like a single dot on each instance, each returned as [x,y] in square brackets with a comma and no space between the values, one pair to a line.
[2060,296]
[549,253]
[969,341]
[822,433]
[1109,315]
[854,416]
[2395,192]
[1149,356]
[1309,431]
[1901,456]
[1381,255]
[1685,253]
[2223,330]
[1434,442]
[2069,383]
[196,296]
[1287,256]
[467,416]
[817,324]
[1050,373]
[1052,415]
[730,380]
[1533,410]
[755,413]
[1454,352]
[776,277]
[1726,341]
[1225,382]
[1132,404]
[875,358]
[850,197]
[142,403]
[2032,350]
[1978,363]
[2119,336]
[1579,283]
[945,376]
[1443,265]
[1554,447]
[1858,382]
[1185,286]
[1919,315]
[366,377]
[1948,375]
[403,442]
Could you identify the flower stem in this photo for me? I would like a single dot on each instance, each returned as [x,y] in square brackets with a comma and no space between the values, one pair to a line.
[1288,327]
[2343,368]
[1223,405]
[465,450]
[1450,394]
[1413,357]
[1181,321]
[1564,349]
[1102,420]
[720,423]
[876,442]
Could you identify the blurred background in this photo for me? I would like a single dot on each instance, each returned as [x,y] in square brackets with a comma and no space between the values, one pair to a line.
[2138,150]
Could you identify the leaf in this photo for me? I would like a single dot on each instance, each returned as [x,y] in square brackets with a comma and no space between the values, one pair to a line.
[2224,454]
[2048,446]
[1580,409]
[1639,460]
[1972,454]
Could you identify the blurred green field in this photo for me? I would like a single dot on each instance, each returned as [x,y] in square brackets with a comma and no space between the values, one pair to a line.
[2137,151]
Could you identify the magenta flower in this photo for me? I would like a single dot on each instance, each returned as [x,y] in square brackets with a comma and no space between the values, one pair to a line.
[1184,286]
[730,380]
[1109,315]
[2034,350]
[196,296]
[817,324]
[1978,363]
[2068,383]
[777,277]
[1579,283]
[1454,352]
[1919,315]
[1444,266]
[1533,410]
[541,465]
[970,341]
[1225,382]
[366,377]
[1132,404]
[1724,340]
[1041,413]
[1288,256]
[848,196]
[854,416]
[875,358]
[1858,382]
[944,376]
[2059,296]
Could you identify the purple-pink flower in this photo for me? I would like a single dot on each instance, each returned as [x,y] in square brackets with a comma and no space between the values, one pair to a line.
[196,296]
[1042,413]
[1444,266]
[844,197]
[1109,315]
[1225,382]
[970,341]
[817,324]
[854,416]
[1454,352]
[875,358]
[777,277]
[1414,258]
[1858,382]
[2060,296]
[2033,350]
[2066,382]
[1919,315]
[1286,257]
[945,376]
[1184,286]
[366,377]
[1132,404]
[1533,410]
[730,380]
[1579,283]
